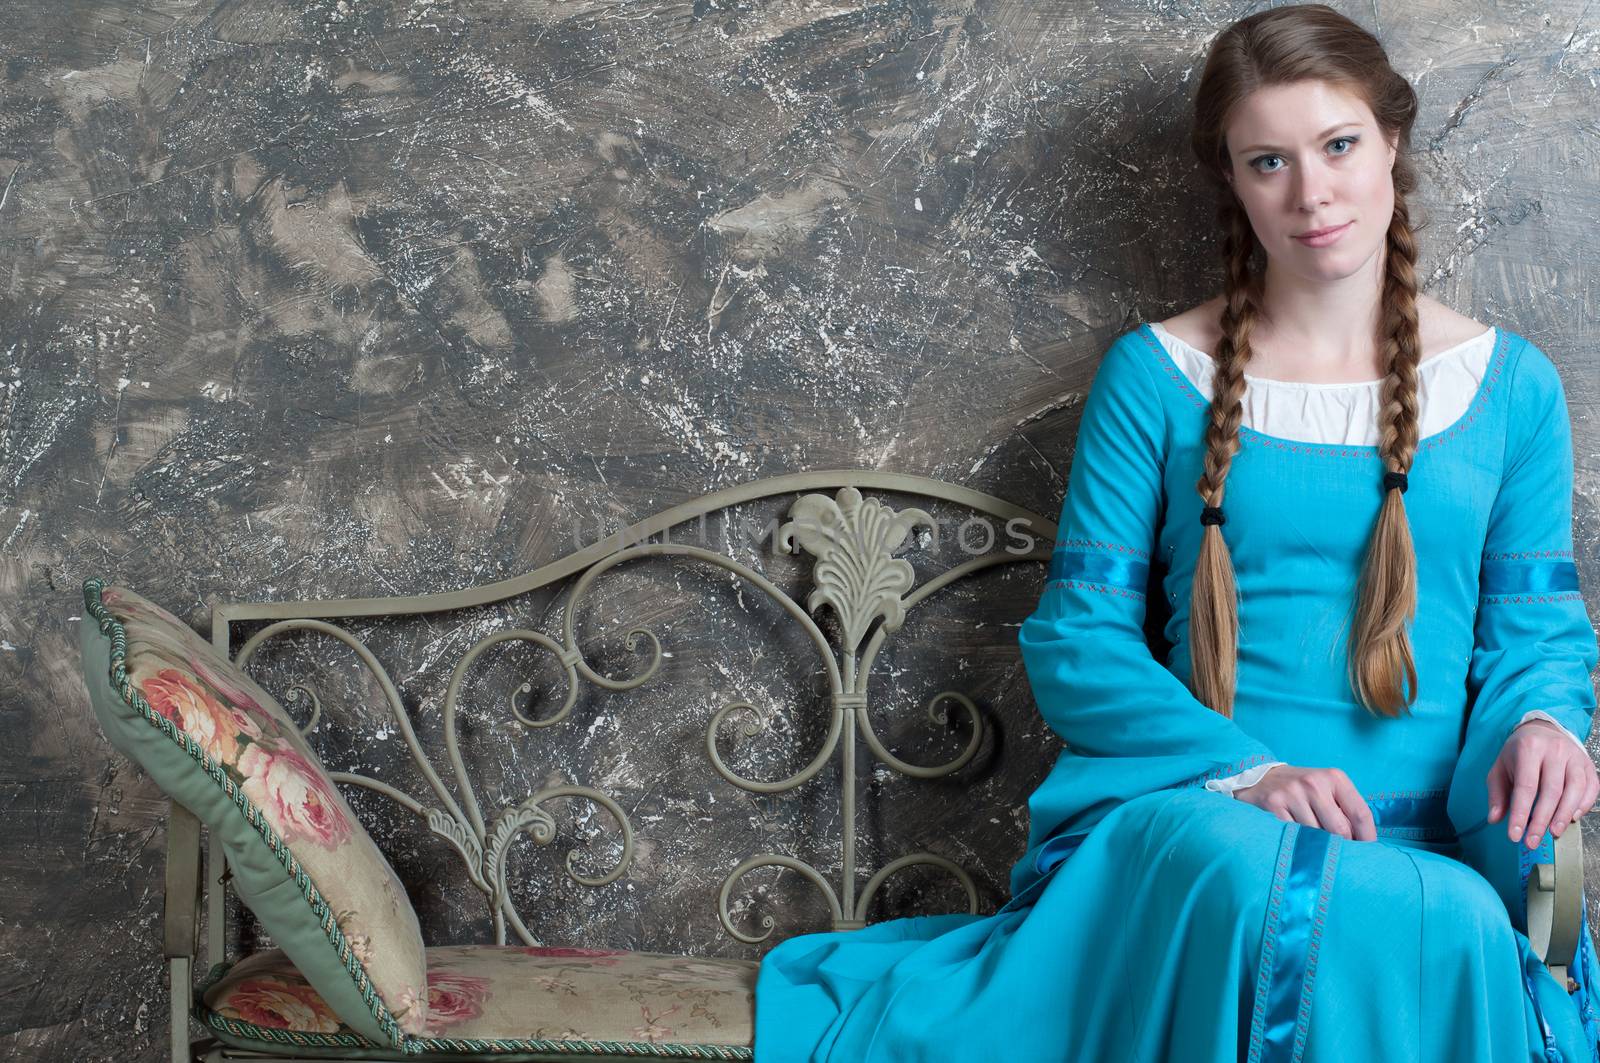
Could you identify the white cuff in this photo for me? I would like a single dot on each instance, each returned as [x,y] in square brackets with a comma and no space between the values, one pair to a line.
[1540,714]
[1249,777]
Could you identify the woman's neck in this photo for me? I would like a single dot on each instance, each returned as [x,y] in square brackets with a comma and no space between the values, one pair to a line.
[1311,328]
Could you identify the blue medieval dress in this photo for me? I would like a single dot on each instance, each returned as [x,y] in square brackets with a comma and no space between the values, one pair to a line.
[1154,916]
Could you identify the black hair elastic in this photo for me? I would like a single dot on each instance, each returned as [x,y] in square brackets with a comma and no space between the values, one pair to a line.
[1212,515]
[1394,479]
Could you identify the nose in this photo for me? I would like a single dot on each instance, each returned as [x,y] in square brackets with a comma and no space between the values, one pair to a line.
[1311,188]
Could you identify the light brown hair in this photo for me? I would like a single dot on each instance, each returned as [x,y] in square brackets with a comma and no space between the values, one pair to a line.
[1275,47]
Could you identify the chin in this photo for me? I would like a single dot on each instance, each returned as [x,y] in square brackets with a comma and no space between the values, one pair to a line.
[1333,263]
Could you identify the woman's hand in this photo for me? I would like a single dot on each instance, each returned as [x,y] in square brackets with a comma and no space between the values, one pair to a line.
[1548,779]
[1315,797]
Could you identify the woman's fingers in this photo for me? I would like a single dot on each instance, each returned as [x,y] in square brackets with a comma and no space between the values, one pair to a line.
[1552,780]
[1301,812]
[1357,811]
[1524,771]
[1589,791]
[1329,816]
[1571,797]
[1499,789]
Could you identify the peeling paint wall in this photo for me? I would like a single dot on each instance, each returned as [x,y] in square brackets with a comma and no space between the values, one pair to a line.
[306,299]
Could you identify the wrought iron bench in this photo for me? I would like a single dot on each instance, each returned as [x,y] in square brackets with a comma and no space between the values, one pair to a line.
[850,543]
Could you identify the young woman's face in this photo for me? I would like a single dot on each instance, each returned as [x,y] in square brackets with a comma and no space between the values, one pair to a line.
[1309,156]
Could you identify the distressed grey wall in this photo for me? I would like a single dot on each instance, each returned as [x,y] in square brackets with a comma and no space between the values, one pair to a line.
[341,298]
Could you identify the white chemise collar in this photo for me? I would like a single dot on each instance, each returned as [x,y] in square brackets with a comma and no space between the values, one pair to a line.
[1344,414]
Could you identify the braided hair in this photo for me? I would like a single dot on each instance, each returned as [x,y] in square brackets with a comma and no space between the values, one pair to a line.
[1274,47]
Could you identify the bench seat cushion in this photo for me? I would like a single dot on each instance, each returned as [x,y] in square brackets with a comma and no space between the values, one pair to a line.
[508,1002]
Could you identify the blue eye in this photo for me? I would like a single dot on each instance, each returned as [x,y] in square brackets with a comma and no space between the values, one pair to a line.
[1260,158]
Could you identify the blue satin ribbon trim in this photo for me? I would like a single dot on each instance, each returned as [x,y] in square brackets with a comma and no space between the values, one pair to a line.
[1583,996]
[1126,572]
[1296,927]
[1526,858]
[1527,577]
[1414,816]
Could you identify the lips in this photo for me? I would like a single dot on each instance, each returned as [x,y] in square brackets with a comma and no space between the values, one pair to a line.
[1313,233]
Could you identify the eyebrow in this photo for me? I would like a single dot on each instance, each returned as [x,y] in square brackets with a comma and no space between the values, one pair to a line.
[1325,132]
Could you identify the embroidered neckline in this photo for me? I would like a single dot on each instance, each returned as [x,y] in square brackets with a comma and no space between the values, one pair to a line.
[1480,401]
[1455,351]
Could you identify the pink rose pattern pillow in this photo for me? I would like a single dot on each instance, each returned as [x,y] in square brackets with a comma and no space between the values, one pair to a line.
[241,727]
[510,993]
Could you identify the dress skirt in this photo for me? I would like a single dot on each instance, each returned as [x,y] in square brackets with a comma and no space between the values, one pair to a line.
[1188,926]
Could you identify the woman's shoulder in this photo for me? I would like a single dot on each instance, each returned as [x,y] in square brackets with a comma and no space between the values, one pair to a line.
[1444,328]
[1534,378]
[1528,373]
[1199,326]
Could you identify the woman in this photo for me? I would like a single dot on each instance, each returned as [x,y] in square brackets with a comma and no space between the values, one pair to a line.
[1276,846]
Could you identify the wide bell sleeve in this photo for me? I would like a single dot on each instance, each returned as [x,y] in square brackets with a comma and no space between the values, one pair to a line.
[1130,725]
[1533,645]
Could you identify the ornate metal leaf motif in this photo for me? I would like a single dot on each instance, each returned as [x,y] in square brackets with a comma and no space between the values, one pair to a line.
[856,573]
[511,822]
[461,839]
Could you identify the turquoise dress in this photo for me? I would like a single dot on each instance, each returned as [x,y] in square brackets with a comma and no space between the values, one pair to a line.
[1155,919]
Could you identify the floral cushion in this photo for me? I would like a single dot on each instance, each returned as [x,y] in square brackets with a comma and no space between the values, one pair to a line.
[498,999]
[222,747]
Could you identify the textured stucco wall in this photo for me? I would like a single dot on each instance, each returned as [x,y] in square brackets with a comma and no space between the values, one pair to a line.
[342,298]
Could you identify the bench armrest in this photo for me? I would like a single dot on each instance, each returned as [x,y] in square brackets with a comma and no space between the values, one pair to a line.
[181,936]
[1555,903]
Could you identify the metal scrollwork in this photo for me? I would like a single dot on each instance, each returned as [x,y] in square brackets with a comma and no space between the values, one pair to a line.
[293,695]
[461,824]
[767,922]
[855,575]
[858,577]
